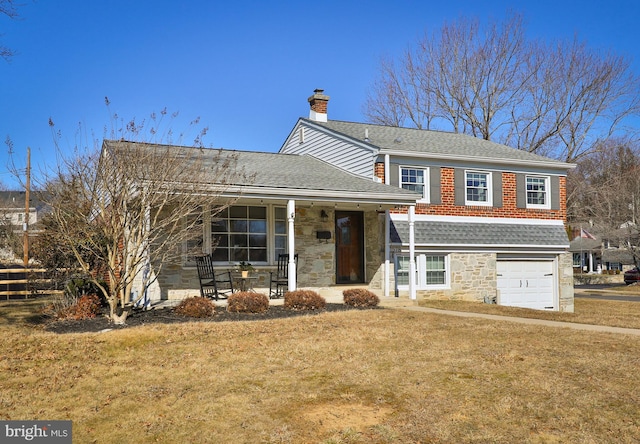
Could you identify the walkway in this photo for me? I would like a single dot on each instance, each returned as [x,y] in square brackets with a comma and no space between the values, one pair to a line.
[541,322]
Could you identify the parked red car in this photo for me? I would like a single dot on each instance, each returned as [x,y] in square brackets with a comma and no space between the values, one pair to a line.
[631,276]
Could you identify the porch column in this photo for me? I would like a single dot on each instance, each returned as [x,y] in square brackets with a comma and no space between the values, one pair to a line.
[387,181]
[387,227]
[291,266]
[591,270]
[412,253]
[387,238]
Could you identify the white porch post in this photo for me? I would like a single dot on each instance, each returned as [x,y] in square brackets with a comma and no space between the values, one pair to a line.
[387,173]
[291,266]
[412,253]
[387,227]
[387,238]
[591,270]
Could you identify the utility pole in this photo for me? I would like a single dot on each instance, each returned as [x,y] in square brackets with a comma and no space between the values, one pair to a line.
[26,211]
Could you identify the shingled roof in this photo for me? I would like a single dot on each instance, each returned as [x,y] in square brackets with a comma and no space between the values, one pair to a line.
[435,143]
[291,175]
[435,233]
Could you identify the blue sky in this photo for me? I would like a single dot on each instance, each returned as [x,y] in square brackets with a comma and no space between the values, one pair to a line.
[245,68]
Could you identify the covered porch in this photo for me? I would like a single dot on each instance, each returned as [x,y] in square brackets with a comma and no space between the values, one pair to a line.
[335,223]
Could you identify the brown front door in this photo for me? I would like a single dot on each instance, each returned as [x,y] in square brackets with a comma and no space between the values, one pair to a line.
[349,247]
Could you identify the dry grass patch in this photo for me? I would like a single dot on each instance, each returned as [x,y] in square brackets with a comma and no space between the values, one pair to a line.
[587,311]
[376,376]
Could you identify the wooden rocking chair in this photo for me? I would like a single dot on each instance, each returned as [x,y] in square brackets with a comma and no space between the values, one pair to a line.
[213,285]
[280,278]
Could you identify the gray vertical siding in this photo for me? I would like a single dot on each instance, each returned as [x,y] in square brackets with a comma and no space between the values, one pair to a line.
[342,154]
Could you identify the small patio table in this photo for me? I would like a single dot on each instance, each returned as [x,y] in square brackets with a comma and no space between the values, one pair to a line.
[245,283]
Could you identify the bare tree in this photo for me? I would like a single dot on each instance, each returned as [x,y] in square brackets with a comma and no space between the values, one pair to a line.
[558,99]
[605,191]
[125,210]
[8,8]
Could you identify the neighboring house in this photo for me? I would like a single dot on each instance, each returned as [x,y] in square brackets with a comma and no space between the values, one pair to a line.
[13,208]
[488,224]
[593,254]
[13,211]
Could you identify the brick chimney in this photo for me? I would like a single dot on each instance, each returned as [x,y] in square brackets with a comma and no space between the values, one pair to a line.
[318,102]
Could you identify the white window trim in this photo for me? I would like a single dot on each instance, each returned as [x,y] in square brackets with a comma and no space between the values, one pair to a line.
[271,227]
[206,234]
[489,201]
[426,198]
[421,271]
[547,192]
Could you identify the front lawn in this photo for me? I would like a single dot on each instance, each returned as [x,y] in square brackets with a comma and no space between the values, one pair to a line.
[372,376]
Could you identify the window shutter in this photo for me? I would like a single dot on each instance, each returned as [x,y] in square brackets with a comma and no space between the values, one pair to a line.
[521,191]
[497,189]
[459,186]
[434,185]
[394,174]
[555,193]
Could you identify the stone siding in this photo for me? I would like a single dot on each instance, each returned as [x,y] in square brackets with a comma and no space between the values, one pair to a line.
[316,258]
[473,278]
[565,281]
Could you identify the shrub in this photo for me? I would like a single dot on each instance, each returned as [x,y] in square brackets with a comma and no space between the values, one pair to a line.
[247,302]
[196,307]
[85,307]
[360,297]
[303,300]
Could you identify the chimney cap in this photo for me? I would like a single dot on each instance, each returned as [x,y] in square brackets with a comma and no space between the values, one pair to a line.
[318,95]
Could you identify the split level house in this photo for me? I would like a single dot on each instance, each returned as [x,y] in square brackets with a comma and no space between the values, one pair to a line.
[404,212]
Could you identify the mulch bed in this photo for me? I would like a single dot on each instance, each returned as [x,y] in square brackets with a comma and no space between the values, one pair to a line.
[169,316]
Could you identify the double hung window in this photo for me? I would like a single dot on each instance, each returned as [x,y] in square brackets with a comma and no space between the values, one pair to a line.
[538,192]
[478,188]
[432,271]
[415,179]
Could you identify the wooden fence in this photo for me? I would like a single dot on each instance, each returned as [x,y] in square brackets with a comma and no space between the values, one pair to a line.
[16,281]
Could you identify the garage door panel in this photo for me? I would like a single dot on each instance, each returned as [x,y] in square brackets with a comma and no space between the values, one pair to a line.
[527,284]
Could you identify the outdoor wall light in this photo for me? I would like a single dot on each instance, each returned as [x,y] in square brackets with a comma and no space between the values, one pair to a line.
[324,216]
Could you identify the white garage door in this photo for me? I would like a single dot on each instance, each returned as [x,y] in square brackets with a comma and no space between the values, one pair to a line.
[527,284]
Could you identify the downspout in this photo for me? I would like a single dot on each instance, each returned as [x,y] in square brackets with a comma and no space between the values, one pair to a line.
[291,266]
[412,253]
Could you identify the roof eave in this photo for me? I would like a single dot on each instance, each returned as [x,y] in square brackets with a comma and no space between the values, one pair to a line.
[489,160]
[324,195]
